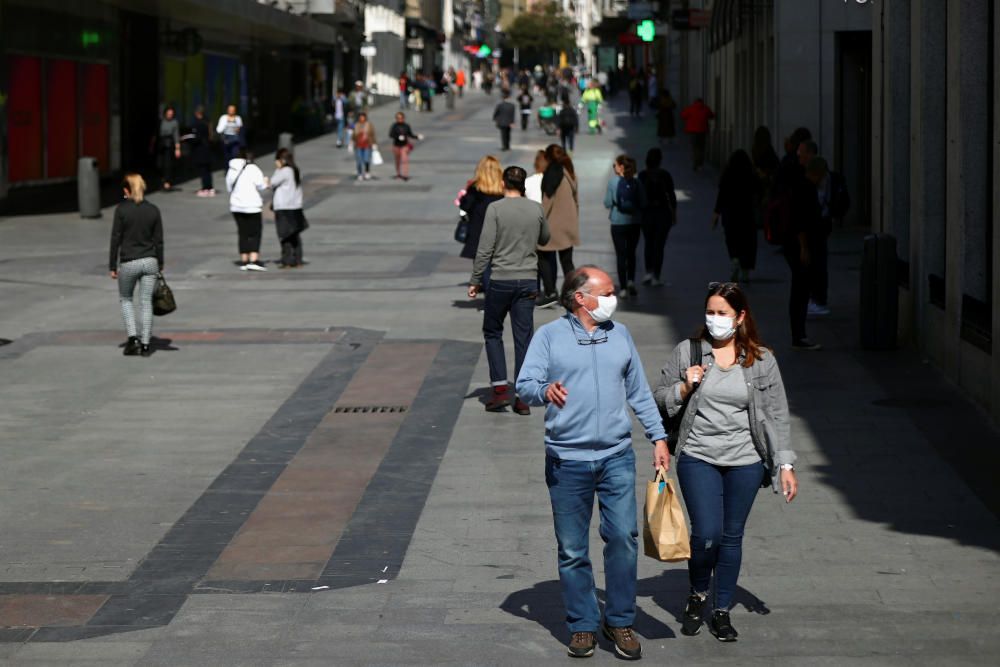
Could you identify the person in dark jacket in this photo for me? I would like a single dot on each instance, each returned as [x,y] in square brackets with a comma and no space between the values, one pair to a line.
[790,171]
[569,124]
[169,146]
[736,203]
[666,127]
[503,116]
[524,99]
[484,189]
[201,152]
[805,223]
[136,257]
[401,133]
[660,214]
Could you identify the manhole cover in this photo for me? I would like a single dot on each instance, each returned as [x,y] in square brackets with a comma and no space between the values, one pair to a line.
[911,403]
[369,409]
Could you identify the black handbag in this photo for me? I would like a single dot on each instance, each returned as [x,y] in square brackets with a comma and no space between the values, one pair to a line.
[163,297]
[462,229]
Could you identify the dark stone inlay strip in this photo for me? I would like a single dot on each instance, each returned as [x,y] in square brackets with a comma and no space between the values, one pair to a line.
[379,532]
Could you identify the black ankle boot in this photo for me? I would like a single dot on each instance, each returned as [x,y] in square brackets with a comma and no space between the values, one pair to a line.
[132,347]
[721,627]
[146,351]
[693,615]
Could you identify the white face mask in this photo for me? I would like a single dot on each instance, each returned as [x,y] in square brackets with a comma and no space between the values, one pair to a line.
[606,306]
[720,327]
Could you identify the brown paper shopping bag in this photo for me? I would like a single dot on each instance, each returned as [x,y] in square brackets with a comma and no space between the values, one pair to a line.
[665,532]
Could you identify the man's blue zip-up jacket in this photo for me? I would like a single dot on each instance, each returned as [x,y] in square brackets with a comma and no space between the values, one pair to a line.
[602,372]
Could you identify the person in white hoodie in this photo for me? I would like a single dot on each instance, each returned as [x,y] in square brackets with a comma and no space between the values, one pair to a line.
[289,222]
[245,181]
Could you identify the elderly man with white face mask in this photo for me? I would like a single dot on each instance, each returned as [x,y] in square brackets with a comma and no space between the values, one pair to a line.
[585,369]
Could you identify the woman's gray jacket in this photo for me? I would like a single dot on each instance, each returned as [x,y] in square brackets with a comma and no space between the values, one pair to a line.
[769,422]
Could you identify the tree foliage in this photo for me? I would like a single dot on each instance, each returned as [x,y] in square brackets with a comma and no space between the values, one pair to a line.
[544,28]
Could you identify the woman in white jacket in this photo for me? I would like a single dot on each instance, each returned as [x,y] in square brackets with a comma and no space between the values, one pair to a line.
[244,181]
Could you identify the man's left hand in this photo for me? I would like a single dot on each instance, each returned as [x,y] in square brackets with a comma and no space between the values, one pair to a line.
[473,291]
[661,455]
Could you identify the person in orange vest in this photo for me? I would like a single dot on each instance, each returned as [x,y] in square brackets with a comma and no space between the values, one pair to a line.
[696,118]
[460,81]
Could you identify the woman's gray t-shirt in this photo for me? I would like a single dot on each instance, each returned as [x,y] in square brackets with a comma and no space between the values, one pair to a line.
[720,433]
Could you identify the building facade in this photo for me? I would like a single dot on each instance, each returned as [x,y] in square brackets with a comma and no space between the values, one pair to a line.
[934,178]
[385,27]
[785,64]
[91,78]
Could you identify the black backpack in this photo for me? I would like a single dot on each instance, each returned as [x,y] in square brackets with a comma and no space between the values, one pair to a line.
[627,196]
[673,424]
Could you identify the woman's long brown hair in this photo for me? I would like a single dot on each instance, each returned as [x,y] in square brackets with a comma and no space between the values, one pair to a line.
[748,342]
[556,153]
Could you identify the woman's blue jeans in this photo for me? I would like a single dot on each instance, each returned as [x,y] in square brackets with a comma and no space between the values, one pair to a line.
[572,486]
[362,159]
[718,500]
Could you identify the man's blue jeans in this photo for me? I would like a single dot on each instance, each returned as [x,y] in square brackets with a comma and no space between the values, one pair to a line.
[503,297]
[340,131]
[718,499]
[572,486]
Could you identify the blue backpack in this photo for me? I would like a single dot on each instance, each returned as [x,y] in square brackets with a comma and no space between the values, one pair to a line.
[627,196]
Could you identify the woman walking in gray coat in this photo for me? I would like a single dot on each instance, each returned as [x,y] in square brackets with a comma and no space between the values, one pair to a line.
[723,396]
[289,220]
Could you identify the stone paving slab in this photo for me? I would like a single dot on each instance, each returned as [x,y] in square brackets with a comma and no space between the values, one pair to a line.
[888,557]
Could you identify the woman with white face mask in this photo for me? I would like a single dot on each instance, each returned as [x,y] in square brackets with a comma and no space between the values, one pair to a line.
[729,418]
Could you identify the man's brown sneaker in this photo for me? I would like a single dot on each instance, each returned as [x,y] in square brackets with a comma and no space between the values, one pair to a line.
[520,407]
[626,643]
[500,397]
[582,645]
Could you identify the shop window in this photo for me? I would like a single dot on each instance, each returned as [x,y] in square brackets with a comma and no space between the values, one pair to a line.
[24,119]
[94,130]
[61,135]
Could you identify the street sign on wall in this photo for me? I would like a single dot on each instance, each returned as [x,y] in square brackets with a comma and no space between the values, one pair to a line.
[368,50]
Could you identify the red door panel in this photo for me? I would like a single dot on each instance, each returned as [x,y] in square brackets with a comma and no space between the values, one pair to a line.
[60,131]
[24,119]
[94,116]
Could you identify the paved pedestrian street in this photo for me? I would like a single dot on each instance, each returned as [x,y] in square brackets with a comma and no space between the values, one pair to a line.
[303,473]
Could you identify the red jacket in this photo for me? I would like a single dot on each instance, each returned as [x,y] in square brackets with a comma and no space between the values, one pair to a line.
[696,118]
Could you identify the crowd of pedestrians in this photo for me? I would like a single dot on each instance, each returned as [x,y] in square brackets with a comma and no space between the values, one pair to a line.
[718,414]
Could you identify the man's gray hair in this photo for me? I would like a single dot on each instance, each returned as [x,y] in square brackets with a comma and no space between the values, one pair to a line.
[575,281]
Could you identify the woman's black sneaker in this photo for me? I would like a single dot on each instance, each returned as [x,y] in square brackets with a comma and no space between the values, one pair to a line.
[132,347]
[721,627]
[693,615]
[146,351]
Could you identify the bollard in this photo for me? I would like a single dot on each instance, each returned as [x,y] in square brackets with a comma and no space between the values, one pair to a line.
[285,141]
[879,293]
[88,187]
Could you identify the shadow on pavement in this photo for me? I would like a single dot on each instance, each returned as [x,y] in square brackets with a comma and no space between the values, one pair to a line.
[542,604]
[157,344]
[869,413]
